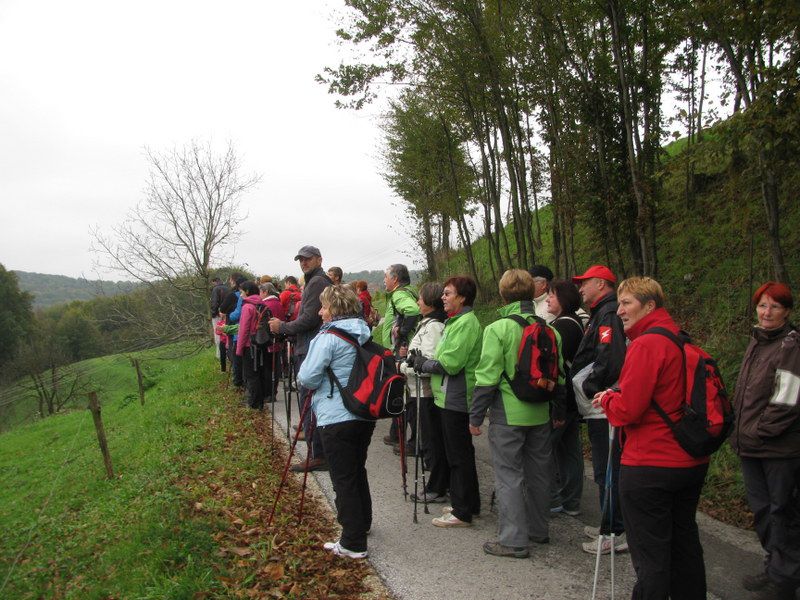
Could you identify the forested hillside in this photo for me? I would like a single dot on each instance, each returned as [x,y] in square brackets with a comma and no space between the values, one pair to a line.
[529,132]
[49,290]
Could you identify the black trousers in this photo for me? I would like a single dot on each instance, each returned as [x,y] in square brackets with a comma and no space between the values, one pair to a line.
[432,440]
[260,381]
[346,447]
[659,506]
[223,356]
[773,493]
[236,364]
[598,438]
[460,452]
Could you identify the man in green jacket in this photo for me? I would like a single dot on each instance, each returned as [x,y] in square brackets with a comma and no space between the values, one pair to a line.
[402,312]
[519,432]
[399,323]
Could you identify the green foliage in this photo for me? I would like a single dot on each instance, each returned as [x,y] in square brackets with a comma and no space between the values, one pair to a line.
[15,315]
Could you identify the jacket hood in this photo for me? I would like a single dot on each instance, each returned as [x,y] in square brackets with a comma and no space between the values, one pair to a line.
[254,299]
[658,318]
[515,308]
[765,336]
[355,326]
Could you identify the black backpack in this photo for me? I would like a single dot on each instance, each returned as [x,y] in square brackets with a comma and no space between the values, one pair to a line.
[374,389]
[536,373]
[261,336]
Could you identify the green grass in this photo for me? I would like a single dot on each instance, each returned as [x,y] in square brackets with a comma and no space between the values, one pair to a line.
[70,532]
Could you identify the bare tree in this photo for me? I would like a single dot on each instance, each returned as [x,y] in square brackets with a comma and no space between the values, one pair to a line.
[190,212]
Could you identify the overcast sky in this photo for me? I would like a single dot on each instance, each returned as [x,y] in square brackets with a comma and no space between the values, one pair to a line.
[86,85]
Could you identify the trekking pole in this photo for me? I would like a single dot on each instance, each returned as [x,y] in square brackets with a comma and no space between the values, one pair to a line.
[274,402]
[607,511]
[285,474]
[287,392]
[401,438]
[311,430]
[418,457]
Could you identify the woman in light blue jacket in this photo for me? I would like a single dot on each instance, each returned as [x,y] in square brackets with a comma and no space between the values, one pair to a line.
[345,437]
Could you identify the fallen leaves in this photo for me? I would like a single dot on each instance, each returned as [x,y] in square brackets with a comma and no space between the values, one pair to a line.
[285,560]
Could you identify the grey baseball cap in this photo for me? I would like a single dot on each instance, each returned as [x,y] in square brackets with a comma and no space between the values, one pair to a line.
[307,252]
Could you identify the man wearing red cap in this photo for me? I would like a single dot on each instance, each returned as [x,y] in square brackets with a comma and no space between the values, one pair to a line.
[596,367]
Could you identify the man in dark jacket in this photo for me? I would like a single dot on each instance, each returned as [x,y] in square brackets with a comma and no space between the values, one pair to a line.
[305,327]
[218,293]
[596,367]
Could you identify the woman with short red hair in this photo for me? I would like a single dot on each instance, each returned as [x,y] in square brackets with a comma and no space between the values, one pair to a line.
[766,437]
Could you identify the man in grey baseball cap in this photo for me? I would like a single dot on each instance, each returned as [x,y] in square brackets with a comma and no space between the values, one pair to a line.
[305,327]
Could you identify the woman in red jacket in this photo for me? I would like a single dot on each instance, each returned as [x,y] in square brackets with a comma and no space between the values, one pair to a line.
[659,483]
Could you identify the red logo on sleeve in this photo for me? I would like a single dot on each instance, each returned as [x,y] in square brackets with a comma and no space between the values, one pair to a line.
[605,334]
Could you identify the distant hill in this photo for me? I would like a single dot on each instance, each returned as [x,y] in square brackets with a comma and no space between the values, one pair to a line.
[374,279]
[49,290]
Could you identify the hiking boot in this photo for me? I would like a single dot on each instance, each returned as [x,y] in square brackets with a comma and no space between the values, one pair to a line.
[340,550]
[430,497]
[754,583]
[775,591]
[315,464]
[409,450]
[450,520]
[620,545]
[591,532]
[560,510]
[539,540]
[498,549]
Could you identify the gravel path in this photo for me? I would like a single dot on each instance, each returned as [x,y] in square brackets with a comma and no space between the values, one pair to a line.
[420,561]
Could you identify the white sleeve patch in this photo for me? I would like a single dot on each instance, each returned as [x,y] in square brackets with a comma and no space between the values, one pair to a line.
[787,388]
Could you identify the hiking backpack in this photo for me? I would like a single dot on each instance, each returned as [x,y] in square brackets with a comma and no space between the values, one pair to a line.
[536,373]
[293,306]
[707,413]
[374,389]
[261,336]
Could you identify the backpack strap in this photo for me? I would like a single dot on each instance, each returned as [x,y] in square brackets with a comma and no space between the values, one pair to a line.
[679,343]
[342,335]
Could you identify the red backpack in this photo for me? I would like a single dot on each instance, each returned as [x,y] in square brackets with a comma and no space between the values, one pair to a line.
[707,416]
[293,306]
[536,374]
[374,389]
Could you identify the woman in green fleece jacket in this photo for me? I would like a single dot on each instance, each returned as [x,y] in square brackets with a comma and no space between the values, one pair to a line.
[453,379]
[519,432]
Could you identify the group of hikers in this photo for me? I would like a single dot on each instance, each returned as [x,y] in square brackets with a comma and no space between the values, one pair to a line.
[653,404]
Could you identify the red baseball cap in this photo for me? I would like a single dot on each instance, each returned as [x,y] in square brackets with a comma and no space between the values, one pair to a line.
[600,271]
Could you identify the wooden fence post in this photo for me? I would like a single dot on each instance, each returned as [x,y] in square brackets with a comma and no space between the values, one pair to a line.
[94,406]
[139,379]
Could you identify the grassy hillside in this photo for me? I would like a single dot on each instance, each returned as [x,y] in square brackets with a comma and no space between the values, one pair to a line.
[185,516]
[49,290]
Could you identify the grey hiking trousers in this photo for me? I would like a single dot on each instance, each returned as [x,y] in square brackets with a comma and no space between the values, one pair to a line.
[521,458]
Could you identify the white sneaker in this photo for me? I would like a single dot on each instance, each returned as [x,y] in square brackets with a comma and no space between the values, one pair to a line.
[330,545]
[447,510]
[340,550]
[591,532]
[620,545]
[450,520]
